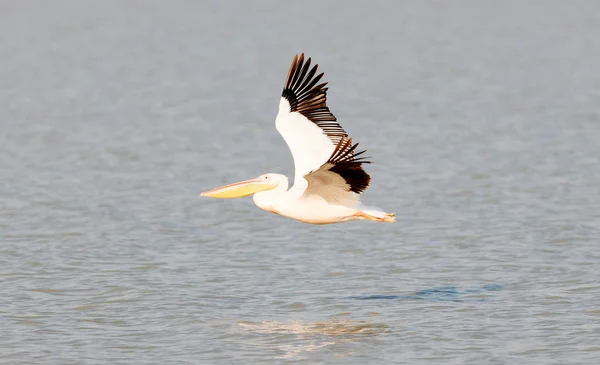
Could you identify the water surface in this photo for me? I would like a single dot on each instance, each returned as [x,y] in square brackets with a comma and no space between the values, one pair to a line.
[483,122]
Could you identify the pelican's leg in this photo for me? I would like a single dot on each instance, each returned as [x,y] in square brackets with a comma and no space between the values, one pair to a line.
[388,217]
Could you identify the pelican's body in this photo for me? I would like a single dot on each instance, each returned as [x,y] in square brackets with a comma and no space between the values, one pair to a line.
[290,203]
[329,176]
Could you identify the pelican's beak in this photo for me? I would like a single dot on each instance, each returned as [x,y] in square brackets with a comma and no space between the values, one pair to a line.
[239,189]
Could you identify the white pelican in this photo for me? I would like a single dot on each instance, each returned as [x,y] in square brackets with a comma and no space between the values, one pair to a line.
[329,176]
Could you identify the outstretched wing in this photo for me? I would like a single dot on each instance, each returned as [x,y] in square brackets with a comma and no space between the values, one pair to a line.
[310,130]
[341,178]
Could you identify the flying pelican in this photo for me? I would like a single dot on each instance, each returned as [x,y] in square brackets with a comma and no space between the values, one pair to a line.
[328,167]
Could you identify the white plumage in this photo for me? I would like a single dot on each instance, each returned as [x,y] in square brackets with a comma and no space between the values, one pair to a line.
[328,169]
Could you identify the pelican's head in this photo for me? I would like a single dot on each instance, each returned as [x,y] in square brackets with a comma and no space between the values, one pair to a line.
[247,187]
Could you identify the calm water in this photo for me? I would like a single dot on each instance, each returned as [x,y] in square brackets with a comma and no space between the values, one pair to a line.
[483,121]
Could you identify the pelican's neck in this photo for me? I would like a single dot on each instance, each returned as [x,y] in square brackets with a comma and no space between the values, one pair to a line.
[267,199]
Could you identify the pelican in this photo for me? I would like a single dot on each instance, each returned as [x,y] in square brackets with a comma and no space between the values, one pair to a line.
[329,176]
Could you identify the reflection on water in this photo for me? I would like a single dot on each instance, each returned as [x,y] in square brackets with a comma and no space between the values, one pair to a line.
[333,328]
[315,336]
[450,293]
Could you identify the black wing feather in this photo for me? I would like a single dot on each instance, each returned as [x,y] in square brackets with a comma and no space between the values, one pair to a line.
[309,98]
[347,163]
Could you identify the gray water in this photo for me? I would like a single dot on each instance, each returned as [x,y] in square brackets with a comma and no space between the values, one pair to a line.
[483,119]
